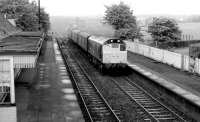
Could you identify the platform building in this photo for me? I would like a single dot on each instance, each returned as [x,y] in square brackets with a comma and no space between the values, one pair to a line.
[17,52]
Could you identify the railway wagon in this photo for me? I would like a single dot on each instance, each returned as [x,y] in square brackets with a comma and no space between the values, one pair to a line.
[107,52]
[82,40]
[74,35]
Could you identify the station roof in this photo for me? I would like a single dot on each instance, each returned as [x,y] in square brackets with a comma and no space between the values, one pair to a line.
[29,34]
[19,45]
[24,47]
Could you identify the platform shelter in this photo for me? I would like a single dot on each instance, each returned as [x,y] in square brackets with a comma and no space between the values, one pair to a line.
[17,51]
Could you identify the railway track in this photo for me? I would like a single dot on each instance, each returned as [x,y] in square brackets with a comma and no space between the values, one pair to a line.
[95,105]
[152,107]
[117,109]
[149,109]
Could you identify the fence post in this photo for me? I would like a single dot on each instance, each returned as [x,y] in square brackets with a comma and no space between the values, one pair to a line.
[163,53]
[182,62]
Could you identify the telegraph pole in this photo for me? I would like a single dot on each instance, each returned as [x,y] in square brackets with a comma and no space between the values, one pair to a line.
[39,13]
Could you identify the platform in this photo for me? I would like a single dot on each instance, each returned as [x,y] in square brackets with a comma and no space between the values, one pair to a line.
[182,83]
[50,97]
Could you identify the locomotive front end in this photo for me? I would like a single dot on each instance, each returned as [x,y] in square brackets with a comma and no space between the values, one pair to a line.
[114,53]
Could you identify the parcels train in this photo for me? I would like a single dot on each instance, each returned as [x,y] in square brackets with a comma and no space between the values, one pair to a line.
[106,53]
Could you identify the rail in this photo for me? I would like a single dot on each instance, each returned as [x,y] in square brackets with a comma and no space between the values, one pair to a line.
[95,105]
[158,111]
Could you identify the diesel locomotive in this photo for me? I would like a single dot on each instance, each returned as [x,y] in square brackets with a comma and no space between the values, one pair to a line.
[105,52]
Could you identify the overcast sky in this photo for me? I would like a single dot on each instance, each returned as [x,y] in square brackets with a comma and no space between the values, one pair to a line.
[96,7]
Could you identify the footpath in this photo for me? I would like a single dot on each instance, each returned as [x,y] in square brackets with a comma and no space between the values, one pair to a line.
[49,96]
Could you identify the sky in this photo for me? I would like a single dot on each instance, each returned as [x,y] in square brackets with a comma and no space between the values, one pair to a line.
[139,7]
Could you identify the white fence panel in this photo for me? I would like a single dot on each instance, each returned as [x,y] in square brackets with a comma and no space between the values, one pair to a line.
[197,66]
[136,48]
[140,49]
[130,46]
[145,50]
[172,58]
[164,56]
[156,54]
[185,63]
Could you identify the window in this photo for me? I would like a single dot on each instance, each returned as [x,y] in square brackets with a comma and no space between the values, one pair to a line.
[122,47]
[115,45]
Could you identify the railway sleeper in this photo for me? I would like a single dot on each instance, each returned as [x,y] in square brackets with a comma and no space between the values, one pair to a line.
[146,103]
[94,100]
[100,112]
[135,93]
[92,97]
[158,116]
[168,118]
[131,89]
[140,98]
[151,103]
[83,89]
[89,93]
[97,105]
[85,85]
[155,109]
[144,100]
[102,109]
[159,112]
[146,106]
[99,102]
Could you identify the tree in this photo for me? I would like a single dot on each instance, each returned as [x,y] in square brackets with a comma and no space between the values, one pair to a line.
[121,18]
[28,22]
[164,30]
[14,8]
[26,14]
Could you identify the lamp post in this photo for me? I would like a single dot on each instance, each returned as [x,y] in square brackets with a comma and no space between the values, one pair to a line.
[39,13]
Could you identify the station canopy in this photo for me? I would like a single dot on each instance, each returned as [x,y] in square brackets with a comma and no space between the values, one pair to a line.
[24,47]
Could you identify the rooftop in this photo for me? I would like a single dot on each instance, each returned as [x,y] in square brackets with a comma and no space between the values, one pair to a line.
[21,43]
[28,34]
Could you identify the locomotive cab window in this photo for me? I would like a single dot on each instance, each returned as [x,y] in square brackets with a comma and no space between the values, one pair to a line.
[122,47]
[115,45]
